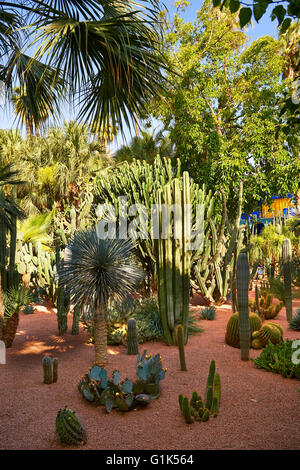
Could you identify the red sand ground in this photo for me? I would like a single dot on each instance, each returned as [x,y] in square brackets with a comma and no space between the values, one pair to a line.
[259,410]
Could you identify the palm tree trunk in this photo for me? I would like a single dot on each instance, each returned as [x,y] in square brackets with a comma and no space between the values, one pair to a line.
[1,311]
[10,330]
[100,338]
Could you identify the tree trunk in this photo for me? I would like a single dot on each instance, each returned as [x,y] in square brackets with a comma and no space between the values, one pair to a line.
[10,330]
[1,310]
[100,337]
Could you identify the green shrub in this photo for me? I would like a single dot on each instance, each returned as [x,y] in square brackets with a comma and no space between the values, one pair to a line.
[146,313]
[295,321]
[208,313]
[277,358]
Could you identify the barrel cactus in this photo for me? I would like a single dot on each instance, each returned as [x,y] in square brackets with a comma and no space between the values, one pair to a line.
[232,336]
[69,428]
[268,332]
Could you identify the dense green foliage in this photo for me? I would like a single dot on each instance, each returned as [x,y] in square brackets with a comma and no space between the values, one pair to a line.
[223,103]
[278,358]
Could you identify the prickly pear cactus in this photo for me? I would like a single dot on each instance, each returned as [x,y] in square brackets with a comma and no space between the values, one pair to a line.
[69,428]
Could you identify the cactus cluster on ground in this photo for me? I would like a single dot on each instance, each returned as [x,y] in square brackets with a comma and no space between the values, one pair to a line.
[196,409]
[266,306]
[124,395]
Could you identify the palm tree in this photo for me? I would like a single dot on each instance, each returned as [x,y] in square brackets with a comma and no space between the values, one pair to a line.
[146,147]
[9,212]
[93,271]
[106,51]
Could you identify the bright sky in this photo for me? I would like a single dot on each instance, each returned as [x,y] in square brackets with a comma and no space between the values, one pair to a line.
[265,27]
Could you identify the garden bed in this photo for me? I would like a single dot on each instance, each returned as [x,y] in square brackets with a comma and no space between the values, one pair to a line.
[258,410]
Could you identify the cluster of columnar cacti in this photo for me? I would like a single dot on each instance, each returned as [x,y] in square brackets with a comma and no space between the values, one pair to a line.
[139,182]
[69,428]
[132,337]
[124,395]
[37,267]
[287,276]
[50,369]
[266,306]
[232,336]
[269,332]
[197,410]
[173,257]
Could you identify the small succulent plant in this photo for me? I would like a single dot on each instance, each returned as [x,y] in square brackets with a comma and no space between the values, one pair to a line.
[69,428]
[208,313]
[28,310]
[294,324]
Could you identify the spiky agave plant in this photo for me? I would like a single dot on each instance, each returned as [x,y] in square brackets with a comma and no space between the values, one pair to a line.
[94,270]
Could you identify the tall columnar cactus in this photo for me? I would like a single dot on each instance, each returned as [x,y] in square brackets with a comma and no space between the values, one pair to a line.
[173,257]
[180,342]
[62,304]
[54,370]
[287,276]
[209,385]
[76,317]
[242,283]
[132,337]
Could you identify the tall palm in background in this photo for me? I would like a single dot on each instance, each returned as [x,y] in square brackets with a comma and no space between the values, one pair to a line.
[147,147]
[93,271]
[104,52]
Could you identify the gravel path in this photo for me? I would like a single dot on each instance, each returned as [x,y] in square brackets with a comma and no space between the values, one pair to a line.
[258,410]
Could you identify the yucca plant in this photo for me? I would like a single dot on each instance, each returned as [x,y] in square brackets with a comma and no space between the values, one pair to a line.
[95,270]
[294,324]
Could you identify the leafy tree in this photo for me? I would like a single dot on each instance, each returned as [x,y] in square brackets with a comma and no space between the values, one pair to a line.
[257,9]
[222,107]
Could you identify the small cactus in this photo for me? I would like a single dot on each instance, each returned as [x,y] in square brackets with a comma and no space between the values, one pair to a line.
[47,368]
[69,428]
[132,339]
